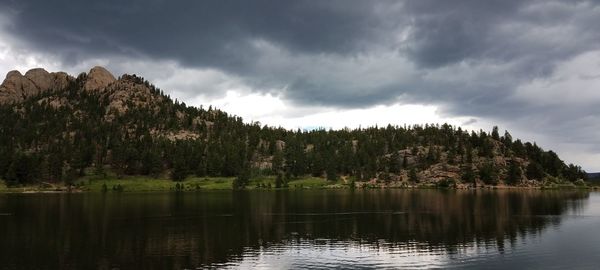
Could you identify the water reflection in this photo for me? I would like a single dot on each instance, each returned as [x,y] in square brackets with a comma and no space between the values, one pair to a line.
[371,229]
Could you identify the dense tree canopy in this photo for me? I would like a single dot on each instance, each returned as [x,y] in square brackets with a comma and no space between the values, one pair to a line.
[42,140]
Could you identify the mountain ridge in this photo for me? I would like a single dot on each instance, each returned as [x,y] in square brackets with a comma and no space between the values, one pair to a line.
[65,125]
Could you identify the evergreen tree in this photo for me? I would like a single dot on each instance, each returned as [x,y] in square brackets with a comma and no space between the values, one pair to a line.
[179,171]
[495,134]
[412,175]
[573,173]
[488,173]
[23,170]
[514,173]
[507,139]
[451,157]
[242,179]
[468,175]
[277,163]
[431,158]
[395,162]
[534,171]
[331,171]
[278,181]
[152,164]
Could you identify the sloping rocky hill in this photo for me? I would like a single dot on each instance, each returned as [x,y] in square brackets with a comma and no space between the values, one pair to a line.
[54,126]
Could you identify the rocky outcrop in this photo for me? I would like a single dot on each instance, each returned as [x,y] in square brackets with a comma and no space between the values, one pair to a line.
[279,145]
[98,78]
[440,171]
[12,88]
[17,87]
[127,93]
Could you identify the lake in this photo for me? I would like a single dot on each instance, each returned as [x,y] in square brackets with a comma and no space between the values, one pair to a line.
[312,229]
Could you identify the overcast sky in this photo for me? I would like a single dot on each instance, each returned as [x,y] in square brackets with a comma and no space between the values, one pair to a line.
[531,67]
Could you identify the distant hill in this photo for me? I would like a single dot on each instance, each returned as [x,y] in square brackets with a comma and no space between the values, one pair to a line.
[54,127]
[594,176]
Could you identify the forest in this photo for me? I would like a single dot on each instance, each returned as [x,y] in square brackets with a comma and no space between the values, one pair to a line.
[58,135]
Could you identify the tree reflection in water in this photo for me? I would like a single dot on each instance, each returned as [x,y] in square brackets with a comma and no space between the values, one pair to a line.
[186,230]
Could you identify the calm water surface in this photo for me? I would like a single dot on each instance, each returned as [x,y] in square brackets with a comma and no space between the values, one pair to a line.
[302,229]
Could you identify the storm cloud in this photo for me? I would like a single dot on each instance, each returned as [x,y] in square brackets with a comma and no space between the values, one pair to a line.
[529,66]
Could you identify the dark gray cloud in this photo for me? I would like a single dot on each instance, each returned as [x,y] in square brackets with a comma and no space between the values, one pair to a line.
[197,33]
[446,32]
[523,63]
[226,35]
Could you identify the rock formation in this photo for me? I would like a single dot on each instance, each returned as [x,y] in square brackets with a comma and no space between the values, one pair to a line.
[17,87]
[98,78]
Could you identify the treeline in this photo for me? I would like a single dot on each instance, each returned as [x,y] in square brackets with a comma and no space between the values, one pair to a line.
[57,135]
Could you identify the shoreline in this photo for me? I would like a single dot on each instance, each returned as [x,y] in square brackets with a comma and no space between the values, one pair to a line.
[146,184]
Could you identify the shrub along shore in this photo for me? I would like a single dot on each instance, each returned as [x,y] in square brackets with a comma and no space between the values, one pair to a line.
[109,183]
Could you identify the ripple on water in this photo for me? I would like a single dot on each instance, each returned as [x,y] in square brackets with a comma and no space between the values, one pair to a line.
[361,230]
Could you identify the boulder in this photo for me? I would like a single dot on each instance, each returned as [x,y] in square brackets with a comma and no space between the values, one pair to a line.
[98,78]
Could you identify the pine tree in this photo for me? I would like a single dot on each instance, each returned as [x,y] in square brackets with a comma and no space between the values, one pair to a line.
[242,179]
[514,173]
[451,157]
[151,163]
[488,173]
[495,133]
[278,181]
[12,176]
[468,175]
[395,162]
[412,175]
[534,171]
[179,171]
[331,171]
[277,162]
[507,140]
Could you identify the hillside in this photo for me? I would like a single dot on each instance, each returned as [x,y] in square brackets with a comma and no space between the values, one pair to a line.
[55,127]
[593,177]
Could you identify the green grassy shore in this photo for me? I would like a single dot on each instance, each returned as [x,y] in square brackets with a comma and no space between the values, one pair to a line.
[142,184]
[149,184]
[111,183]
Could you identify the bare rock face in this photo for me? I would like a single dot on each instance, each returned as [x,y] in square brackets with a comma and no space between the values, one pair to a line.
[17,87]
[40,78]
[126,93]
[439,172]
[279,145]
[12,87]
[98,78]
